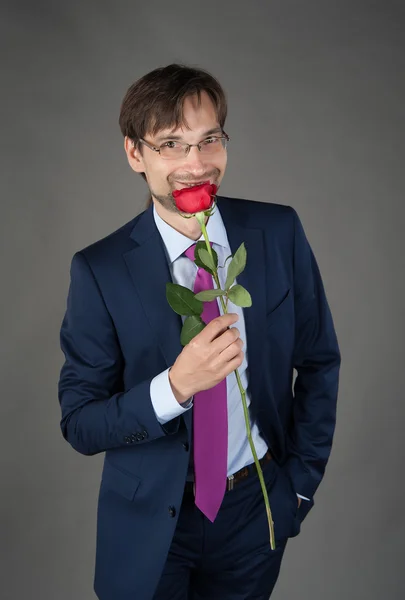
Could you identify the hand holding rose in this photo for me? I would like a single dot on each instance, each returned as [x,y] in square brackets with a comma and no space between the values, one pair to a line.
[208,358]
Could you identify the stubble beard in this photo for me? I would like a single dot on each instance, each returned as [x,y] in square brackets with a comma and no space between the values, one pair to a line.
[166,201]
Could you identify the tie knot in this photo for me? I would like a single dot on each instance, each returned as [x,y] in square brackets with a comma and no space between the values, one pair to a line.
[190,252]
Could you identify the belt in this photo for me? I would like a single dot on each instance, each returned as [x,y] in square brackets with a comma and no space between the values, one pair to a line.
[238,476]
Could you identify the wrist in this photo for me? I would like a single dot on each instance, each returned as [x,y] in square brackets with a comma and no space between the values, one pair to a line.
[181,396]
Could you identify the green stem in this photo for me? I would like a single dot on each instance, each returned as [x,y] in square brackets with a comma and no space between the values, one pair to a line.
[245,408]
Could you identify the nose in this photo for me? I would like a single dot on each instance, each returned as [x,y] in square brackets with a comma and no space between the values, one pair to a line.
[194,155]
[194,161]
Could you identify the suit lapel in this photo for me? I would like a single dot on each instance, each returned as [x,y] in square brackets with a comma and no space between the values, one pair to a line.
[150,272]
[253,278]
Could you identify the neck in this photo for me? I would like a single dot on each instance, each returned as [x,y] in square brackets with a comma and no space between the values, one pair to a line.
[188,227]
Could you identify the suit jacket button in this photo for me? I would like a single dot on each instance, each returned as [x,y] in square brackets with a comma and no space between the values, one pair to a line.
[127,440]
[145,434]
[139,437]
[133,437]
[172,511]
[185,446]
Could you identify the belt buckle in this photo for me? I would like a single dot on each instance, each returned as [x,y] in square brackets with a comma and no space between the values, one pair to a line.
[230,483]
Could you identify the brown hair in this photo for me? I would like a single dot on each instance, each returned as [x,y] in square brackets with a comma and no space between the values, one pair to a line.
[155,101]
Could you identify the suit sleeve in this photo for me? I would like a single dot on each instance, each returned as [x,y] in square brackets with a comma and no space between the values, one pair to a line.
[317,362]
[97,414]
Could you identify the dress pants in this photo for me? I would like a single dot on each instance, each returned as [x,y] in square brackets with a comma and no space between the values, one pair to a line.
[231,559]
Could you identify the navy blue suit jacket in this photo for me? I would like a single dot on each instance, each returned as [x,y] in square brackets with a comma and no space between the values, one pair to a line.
[119,332]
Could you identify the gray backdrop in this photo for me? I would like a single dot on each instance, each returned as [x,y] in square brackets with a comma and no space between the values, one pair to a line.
[316,97]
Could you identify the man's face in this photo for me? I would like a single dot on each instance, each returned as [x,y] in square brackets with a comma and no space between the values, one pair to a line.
[164,176]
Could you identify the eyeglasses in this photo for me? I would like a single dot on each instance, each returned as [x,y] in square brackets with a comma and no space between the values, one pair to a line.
[173,149]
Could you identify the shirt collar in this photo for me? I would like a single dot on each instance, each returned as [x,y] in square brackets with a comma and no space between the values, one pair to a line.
[176,243]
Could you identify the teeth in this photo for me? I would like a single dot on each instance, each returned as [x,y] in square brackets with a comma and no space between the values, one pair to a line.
[191,184]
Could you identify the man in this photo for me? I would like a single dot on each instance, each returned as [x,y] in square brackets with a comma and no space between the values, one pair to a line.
[128,388]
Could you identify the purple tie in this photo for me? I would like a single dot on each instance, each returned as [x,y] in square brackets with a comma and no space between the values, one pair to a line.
[210,423]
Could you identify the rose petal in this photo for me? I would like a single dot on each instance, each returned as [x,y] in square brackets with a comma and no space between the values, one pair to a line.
[195,199]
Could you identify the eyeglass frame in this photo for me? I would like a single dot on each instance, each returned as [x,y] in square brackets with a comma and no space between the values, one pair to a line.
[187,147]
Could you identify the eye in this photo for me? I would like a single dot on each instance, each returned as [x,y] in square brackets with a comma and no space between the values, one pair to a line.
[170,144]
[211,140]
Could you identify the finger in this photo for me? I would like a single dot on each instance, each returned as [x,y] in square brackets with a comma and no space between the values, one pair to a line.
[230,352]
[217,326]
[225,339]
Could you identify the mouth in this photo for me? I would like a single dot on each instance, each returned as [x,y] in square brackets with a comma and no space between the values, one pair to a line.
[183,185]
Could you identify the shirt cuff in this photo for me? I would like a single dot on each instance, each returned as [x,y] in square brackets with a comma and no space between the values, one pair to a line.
[164,401]
[303,497]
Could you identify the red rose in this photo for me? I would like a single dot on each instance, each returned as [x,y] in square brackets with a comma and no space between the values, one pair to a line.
[195,199]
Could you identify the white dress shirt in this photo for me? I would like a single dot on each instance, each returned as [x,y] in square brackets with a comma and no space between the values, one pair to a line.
[183,272]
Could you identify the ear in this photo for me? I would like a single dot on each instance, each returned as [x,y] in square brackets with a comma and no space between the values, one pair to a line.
[133,155]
